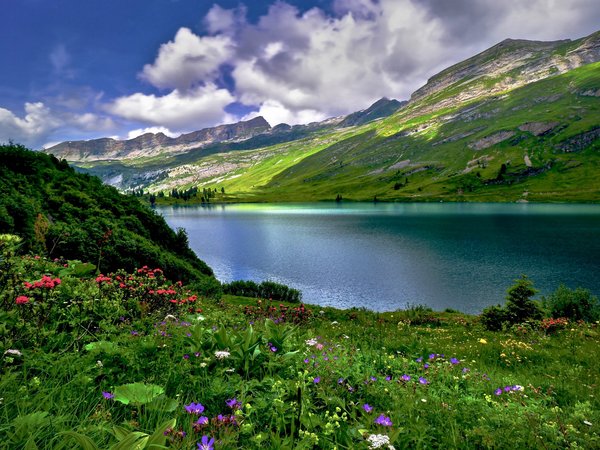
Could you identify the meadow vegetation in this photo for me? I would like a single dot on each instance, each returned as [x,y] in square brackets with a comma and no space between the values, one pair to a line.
[132,359]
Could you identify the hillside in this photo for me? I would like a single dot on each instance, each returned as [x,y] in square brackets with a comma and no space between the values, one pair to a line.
[517,122]
[63,214]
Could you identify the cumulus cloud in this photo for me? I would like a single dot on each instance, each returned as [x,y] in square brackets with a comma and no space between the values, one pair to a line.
[39,122]
[139,131]
[179,110]
[188,60]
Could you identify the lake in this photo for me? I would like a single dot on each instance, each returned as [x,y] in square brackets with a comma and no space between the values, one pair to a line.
[384,256]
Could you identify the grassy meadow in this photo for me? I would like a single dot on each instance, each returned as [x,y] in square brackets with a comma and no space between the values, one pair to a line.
[133,360]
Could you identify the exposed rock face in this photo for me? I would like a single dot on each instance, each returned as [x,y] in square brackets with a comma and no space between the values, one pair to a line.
[581,141]
[538,128]
[493,139]
[151,144]
[507,65]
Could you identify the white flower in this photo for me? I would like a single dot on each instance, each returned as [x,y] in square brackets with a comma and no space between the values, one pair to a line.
[335,322]
[170,317]
[200,318]
[12,351]
[311,342]
[222,354]
[378,440]
[99,364]
[203,364]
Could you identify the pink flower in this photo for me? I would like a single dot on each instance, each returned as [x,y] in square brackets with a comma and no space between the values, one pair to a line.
[22,300]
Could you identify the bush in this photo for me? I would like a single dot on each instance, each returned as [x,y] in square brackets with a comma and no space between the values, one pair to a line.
[519,307]
[578,304]
[493,318]
[266,289]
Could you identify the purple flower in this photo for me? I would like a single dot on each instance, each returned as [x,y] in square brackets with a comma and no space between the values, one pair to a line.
[316,380]
[498,391]
[186,356]
[373,378]
[507,388]
[340,381]
[306,361]
[134,333]
[383,420]
[368,408]
[205,444]
[465,370]
[108,395]
[233,403]
[203,420]
[419,360]
[194,408]
[388,378]
[273,348]
[423,380]
[405,377]
[454,361]
[425,366]
[432,356]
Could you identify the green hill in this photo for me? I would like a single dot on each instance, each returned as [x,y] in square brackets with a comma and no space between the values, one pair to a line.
[64,214]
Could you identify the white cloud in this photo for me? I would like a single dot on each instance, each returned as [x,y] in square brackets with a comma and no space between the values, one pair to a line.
[275,113]
[139,131]
[188,60]
[191,110]
[40,122]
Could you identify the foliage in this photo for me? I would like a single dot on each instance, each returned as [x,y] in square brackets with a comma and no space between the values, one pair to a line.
[85,365]
[519,307]
[578,304]
[265,289]
[61,213]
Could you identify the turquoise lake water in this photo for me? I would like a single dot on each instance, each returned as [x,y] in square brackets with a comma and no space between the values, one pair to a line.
[385,256]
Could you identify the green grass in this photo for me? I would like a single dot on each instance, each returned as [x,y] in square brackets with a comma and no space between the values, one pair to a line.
[302,383]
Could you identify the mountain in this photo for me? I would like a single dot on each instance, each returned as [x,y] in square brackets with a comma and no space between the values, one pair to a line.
[381,108]
[519,121]
[151,144]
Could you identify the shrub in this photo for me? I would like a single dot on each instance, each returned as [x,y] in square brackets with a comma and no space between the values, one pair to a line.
[578,304]
[519,307]
[493,318]
[266,289]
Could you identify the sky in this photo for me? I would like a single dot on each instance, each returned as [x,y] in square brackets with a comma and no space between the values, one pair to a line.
[83,69]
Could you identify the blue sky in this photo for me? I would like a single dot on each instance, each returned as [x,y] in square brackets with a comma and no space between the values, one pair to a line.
[74,69]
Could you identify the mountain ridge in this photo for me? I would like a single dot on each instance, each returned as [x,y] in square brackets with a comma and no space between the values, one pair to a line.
[507,116]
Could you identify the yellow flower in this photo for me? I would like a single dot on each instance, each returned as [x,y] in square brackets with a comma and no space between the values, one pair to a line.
[482,341]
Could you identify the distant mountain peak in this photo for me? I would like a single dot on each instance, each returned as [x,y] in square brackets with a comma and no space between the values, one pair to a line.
[381,108]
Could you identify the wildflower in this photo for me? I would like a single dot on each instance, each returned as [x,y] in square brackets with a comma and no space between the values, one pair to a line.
[454,361]
[186,356]
[306,361]
[108,395]
[419,360]
[423,380]
[99,364]
[194,408]
[311,342]
[22,300]
[368,408]
[340,381]
[383,420]
[316,380]
[388,378]
[405,377]
[465,370]
[13,352]
[373,378]
[233,403]
[482,341]
[517,387]
[498,391]
[203,420]
[432,356]
[273,348]
[206,444]
[134,333]
[222,354]
[378,440]
[425,366]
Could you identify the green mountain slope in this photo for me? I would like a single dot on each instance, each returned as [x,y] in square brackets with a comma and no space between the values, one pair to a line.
[64,214]
[516,122]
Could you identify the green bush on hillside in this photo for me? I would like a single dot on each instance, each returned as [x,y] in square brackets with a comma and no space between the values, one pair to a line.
[61,213]
[266,289]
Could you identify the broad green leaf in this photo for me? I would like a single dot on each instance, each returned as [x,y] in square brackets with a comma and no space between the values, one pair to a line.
[85,442]
[137,393]
[158,438]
